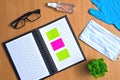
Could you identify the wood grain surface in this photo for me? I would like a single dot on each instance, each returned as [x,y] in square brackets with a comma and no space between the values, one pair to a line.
[12,9]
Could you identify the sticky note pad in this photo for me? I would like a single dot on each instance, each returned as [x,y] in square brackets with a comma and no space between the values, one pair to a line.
[62,55]
[57,44]
[52,34]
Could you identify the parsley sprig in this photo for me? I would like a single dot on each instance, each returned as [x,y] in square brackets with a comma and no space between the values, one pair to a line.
[97,67]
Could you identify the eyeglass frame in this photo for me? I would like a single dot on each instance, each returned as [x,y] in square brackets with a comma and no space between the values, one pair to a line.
[24,17]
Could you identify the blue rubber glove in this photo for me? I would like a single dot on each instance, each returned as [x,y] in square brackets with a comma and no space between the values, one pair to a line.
[108,11]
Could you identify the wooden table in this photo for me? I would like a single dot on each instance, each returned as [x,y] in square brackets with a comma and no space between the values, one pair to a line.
[12,9]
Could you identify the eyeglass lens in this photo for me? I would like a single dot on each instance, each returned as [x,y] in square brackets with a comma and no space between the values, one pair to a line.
[33,17]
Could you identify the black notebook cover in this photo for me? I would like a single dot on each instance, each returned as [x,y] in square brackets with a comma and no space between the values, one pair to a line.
[44,51]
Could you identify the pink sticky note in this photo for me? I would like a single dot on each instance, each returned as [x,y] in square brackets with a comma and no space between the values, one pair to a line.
[57,44]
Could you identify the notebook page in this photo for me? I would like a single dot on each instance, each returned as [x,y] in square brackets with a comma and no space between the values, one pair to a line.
[27,58]
[61,44]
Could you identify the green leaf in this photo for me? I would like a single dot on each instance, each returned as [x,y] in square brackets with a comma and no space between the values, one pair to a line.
[89,67]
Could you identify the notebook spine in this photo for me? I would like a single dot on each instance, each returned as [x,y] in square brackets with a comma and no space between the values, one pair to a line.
[44,52]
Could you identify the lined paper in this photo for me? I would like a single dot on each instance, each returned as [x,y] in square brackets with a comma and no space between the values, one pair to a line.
[27,58]
[75,54]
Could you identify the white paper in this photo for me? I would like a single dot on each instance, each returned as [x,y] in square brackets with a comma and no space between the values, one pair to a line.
[69,41]
[101,39]
[27,58]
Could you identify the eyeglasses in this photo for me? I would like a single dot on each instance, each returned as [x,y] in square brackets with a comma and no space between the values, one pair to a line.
[29,16]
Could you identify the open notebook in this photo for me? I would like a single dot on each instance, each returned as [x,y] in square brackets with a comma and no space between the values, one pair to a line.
[44,51]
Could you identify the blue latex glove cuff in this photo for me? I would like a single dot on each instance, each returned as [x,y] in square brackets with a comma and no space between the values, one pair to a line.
[117,25]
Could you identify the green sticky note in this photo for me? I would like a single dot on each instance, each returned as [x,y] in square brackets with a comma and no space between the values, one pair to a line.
[62,55]
[52,34]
